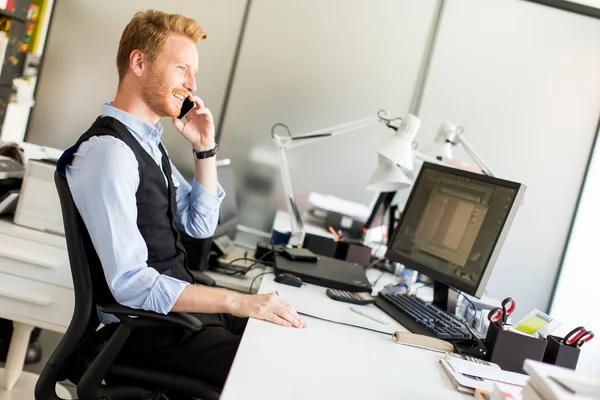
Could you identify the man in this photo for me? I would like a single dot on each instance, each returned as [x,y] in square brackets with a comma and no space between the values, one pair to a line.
[133,201]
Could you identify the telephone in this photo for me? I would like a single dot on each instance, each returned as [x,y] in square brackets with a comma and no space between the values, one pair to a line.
[187,106]
[222,245]
[10,168]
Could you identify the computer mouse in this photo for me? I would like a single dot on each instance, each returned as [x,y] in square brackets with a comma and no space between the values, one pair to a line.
[288,279]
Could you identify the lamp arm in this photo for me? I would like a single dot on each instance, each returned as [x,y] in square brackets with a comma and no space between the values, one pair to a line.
[284,142]
[296,226]
[315,136]
[460,138]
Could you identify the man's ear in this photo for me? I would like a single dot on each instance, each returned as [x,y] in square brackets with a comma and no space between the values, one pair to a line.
[137,62]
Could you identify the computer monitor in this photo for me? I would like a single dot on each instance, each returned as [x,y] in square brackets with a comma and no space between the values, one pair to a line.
[453,227]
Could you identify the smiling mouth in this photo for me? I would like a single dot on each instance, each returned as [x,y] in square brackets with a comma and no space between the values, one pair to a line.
[180,96]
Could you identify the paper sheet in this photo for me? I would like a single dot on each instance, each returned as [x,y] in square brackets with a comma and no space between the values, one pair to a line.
[491,373]
[345,207]
[320,306]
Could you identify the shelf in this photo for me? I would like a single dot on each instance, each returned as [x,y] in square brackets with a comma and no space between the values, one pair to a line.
[11,15]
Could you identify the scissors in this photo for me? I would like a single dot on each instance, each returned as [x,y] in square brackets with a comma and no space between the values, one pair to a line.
[498,315]
[577,337]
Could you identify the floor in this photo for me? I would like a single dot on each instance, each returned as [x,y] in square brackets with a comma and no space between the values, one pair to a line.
[49,342]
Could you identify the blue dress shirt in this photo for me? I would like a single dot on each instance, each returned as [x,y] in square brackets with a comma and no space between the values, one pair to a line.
[103,178]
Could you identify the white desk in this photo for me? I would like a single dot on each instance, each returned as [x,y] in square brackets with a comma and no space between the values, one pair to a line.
[36,290]
[331,361]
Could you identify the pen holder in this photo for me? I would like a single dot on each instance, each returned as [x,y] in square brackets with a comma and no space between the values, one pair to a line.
[510,349]
[320,245]
[560,354]
[354,252]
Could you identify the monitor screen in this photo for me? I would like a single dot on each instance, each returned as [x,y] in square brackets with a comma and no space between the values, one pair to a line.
[453,226]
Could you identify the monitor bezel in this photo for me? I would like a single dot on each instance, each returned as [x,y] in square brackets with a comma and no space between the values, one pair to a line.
[477,288]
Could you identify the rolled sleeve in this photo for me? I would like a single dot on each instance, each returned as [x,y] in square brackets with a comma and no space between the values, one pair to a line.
[203,201]
[164,294]
[197,208]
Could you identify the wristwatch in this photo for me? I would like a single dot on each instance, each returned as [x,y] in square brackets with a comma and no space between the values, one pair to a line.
[201,155]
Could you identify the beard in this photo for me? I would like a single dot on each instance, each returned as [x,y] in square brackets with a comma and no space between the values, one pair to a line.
[158,97]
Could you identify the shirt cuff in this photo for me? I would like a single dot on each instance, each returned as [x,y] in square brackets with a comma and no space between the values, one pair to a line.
[203,201]
[164,294]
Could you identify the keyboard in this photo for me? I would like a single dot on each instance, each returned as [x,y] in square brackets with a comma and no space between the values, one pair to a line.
[421,317]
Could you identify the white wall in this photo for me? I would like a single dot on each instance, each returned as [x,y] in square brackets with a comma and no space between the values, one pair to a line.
[577,295]
[314,64]
[80,73]
[524,81]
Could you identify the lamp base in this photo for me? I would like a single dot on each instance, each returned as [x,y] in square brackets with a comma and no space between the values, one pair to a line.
[296,239]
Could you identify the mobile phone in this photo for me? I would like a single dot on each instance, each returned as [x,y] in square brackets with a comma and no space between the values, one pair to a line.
[187,106]
[297,254]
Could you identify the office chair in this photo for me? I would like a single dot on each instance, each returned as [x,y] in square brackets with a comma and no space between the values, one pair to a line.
[198,254]
[84,357]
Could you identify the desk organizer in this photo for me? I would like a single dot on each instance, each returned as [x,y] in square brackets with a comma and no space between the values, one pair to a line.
[320,245]
[354,252]
[510,349]
[349,250]
[560,354]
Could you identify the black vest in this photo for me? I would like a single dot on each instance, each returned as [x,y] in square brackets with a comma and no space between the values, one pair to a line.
[156,209]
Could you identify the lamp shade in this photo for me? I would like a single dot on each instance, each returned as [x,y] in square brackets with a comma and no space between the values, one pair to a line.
[388,177]
[399,148]
[441,146]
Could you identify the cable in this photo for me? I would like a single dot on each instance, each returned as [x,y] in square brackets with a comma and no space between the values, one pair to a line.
[470,302]
[261,274]
[232,271]
[283,126]
[388,121]
[378,278]
[229,269]
[386,118]
[421,287]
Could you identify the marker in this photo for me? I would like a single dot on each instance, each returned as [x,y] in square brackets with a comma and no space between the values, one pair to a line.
[335,235]
[368,316]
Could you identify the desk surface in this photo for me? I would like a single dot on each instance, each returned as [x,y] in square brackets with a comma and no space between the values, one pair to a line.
[328,360]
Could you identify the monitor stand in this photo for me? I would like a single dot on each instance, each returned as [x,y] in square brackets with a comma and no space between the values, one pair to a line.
[444,297]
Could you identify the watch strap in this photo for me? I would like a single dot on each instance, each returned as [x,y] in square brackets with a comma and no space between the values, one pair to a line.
[201,155]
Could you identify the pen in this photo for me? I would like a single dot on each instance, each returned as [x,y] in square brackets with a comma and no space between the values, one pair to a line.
[368,316]
[335,235]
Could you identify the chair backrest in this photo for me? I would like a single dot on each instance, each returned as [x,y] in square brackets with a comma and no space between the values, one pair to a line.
[85,318]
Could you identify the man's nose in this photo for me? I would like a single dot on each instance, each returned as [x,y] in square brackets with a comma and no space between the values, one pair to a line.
[190,83]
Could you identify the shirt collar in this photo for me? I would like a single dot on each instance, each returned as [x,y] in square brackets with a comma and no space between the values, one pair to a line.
[138,126]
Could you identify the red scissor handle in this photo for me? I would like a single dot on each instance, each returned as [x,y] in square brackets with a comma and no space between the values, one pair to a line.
[573,337]
[508,305]
[586,337]
[496,315]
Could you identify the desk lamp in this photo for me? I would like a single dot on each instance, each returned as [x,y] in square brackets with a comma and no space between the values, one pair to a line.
[393,154]
[450,135]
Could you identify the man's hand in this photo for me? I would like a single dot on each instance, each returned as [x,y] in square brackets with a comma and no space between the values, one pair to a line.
[269,307]
[199,127]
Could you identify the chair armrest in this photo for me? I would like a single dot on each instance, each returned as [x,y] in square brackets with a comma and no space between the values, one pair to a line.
[149,318]
[203,279]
